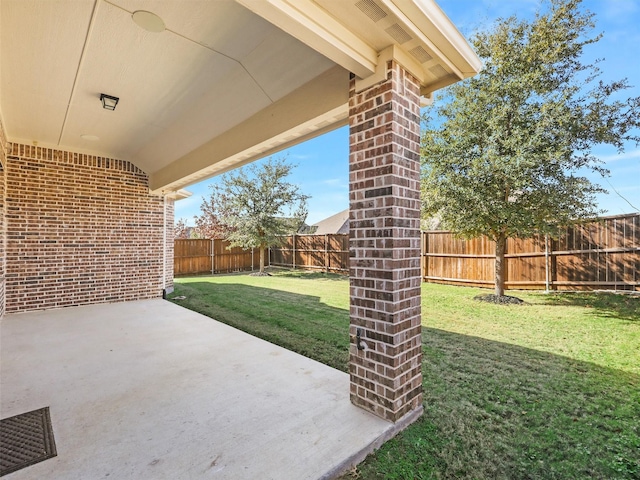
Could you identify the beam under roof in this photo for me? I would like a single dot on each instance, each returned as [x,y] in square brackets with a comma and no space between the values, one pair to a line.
[317,107]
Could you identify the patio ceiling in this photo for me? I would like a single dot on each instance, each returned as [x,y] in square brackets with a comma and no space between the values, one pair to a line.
[226,82]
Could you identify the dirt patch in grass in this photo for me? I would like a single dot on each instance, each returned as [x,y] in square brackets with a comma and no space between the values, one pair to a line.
[499,299]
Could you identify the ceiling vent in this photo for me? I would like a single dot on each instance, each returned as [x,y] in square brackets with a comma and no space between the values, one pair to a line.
[398,34]
[420,54]
[371,9]
[438,71]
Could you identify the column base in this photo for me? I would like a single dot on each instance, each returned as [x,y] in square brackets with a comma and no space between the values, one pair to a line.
[388,434]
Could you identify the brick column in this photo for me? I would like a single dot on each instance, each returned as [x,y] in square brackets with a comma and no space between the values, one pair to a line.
[169,241]
[3,219]
[384,194]
[2,231]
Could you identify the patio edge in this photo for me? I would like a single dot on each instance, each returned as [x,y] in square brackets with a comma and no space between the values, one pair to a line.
[358,457]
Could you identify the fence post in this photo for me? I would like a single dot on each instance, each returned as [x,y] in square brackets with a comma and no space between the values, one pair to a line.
[293,258]
[423,253]
[213,259]
[326,253]
[547,266]
[553,266]
[252,249]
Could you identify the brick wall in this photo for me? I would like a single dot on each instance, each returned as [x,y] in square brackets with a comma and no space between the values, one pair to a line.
[2,220]
[169,242]
[81,229]
[384,194]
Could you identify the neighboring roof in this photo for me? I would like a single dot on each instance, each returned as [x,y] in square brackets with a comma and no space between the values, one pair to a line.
[225,83]
[338,223]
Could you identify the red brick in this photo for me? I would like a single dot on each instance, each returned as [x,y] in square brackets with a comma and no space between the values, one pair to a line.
[384,192]
[79,229]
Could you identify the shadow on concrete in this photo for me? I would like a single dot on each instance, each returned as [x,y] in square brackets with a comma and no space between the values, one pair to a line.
[492,409]
[301,323]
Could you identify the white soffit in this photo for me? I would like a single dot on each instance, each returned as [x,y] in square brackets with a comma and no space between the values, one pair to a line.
[214,67]
[226,81]
[36,88]
[354,32]
[317,107]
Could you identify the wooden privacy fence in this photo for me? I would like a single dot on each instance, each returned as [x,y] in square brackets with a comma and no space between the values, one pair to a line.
[212,256]
[604,254]
[599,255]
[323,252]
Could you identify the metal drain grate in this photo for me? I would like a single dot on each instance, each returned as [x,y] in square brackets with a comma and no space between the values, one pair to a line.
[25,439]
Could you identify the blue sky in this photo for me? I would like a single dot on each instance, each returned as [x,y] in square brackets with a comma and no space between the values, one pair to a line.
[322,170]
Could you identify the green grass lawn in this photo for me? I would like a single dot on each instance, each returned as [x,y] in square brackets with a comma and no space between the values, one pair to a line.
[546,390]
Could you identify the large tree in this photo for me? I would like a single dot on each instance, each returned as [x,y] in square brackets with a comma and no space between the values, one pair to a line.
[257,206]
[505,152]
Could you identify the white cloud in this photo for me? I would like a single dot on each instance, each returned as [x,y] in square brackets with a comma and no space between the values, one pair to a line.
[335,182]
[632,188]
[625,172]
[621,156]
[298,156]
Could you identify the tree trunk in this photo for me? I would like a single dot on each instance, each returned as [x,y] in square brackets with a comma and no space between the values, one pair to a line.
[261,259]
[501,246]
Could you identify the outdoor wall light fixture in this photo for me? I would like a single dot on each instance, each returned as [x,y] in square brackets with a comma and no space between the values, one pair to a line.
[359,343]
[108,102]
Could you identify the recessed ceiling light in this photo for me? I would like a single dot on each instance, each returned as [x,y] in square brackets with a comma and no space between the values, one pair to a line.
[149,21]
[91,138]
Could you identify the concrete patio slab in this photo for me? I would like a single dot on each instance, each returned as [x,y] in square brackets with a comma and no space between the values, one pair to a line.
[150,390]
